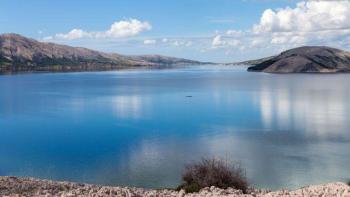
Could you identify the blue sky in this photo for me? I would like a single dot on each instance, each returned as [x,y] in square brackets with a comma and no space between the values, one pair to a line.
[208,30]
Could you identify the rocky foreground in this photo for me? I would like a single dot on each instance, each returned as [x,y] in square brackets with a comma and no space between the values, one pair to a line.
[13,186]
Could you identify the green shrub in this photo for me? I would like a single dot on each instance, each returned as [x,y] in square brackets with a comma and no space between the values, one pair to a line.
[349,183]
[189,188]
[213,172]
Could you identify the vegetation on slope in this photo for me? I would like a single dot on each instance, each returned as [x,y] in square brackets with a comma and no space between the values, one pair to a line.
[213,172]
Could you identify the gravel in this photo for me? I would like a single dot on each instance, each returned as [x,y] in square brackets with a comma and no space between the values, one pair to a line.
[14,186]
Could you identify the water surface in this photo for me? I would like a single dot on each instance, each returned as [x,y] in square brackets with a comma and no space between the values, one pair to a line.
[139,128]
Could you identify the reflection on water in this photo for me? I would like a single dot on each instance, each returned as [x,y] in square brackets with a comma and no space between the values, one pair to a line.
[318,113]
[127,106]
[139,128]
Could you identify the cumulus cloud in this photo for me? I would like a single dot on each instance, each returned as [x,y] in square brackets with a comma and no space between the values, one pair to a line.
[170,42]
[181,43]
[307,23]
[310,22]
[149,42]
[235,33]
[119,29]
[219,42]
[307,16]
[73,34]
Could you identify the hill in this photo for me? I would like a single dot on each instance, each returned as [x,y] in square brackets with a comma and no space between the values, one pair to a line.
[21,54]
[308,59]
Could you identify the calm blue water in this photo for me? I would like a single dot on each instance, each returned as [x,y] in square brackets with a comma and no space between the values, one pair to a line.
[139,128]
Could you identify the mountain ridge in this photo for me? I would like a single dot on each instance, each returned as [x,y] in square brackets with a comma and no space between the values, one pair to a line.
[22,54]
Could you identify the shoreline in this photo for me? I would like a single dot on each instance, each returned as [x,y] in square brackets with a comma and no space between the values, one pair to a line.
[25,186]
[121,68]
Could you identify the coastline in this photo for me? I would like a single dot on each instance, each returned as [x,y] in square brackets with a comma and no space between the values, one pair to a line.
[120,68]
[16,186]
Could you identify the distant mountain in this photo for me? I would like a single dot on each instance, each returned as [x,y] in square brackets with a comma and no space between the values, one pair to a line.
[165,60]
[308,59]
[251,62]
[21,54]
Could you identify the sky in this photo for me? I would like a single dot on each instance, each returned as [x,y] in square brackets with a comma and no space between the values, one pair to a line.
[206,30]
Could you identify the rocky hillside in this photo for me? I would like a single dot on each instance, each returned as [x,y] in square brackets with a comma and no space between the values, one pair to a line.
[18,53]
[308,59]
[251,62]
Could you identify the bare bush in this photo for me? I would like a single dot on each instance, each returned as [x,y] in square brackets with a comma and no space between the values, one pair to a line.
[213,172]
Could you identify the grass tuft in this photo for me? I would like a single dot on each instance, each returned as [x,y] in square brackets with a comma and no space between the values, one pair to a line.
[213,172]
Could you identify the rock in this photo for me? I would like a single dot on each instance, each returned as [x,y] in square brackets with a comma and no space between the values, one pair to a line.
[32,187]
[181,193]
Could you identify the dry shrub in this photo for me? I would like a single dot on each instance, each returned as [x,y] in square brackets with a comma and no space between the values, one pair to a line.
[213,172]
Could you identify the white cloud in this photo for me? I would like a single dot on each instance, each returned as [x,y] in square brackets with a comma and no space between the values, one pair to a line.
[307,23]
[181,43]
[290,38]
[234,33]
[177,43]
[149,42]
[119,29]
[219,42]
[128,28]
[165,40]
[310,22]
[307,16]
[189,43]
[257,42]
[73,34]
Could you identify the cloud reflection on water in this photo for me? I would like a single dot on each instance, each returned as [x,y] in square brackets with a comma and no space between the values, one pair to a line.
[315,113]
[127,106]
